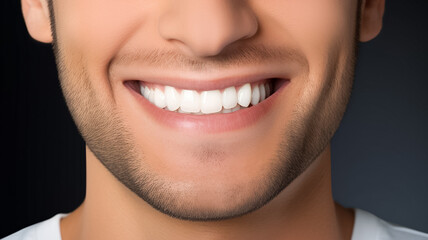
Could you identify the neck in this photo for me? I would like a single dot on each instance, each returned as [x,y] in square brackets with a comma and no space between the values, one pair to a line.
[304,210]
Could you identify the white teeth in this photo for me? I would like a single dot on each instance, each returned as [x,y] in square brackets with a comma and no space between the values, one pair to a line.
[262,92]
[244,95]
[172,98]
[159,98]
[146,92]
[211,101]
[206,102]
[190,101]
[230,98]
[152,96]
[255,96]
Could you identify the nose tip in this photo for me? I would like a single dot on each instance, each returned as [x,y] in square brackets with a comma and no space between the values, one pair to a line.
[204,28]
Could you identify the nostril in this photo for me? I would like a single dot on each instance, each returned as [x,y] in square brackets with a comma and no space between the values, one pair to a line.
[206,28]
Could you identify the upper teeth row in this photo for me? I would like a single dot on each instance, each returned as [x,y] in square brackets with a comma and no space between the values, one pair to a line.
[206,102]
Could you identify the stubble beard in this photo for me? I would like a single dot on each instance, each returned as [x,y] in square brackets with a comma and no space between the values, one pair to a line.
[106,135]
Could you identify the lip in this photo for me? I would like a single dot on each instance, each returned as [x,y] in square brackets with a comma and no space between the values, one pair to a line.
[210,123]
[204,80]
[207,85]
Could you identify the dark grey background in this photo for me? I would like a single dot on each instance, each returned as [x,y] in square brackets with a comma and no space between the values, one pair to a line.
[380,152]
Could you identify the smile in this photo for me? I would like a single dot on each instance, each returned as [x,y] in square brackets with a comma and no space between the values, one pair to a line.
[207,109]
[227,100]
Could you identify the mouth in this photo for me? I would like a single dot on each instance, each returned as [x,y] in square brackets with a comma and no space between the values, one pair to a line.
[208,109]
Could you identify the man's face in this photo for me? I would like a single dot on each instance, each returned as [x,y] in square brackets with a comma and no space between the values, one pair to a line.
[218,164]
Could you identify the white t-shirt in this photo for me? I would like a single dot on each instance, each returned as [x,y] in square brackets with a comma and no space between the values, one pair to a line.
[367,227]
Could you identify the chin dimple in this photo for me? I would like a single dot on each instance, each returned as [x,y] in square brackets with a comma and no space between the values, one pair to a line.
[189,101]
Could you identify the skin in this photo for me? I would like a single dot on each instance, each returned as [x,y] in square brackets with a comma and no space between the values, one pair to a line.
[270,180]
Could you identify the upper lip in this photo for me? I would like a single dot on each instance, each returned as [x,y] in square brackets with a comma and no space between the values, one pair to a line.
[200,81]
[206,85]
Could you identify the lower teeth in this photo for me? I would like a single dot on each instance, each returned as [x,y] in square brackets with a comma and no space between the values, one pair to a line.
[200,113]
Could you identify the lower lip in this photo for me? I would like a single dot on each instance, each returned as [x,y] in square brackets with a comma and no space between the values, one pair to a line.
[210,123]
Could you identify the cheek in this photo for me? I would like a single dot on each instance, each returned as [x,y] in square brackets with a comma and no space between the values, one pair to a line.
[96,29]
[312,25]
[324,18]
[322,29]
[90,33]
